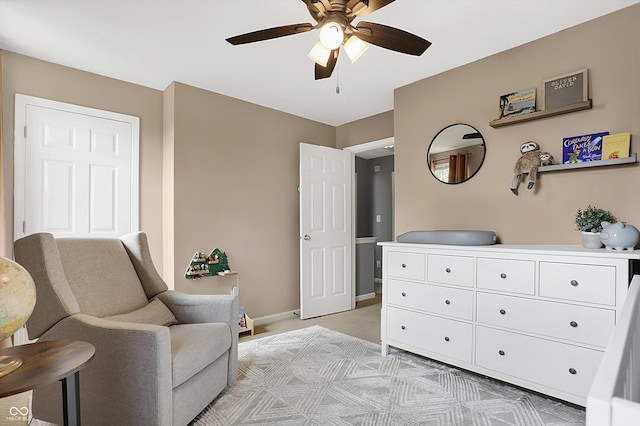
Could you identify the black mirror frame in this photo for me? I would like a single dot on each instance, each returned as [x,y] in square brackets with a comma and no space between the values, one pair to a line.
[484,153]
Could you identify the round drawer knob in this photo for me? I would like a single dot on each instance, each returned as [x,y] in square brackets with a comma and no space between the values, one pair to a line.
[573,371]
[501,352]
[503,312]
[404,265]
[448,270]
[447,302]
[404,294]
[403,327]
[446,339]
[503,275]
[574,283]
[573,324]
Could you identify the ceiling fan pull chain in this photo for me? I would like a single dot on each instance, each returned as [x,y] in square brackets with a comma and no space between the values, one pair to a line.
[337,80]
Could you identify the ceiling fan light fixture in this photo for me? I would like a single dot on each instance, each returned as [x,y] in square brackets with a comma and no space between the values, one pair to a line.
[331,35]
[319,54]
[355,48]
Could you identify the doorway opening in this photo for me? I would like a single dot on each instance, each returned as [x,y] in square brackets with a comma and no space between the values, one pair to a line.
[373,205]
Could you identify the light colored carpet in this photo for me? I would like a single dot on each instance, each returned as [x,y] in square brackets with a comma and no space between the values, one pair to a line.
[362,322]
[317,376]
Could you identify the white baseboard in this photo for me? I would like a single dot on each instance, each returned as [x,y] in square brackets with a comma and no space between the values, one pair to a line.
[276,317]
[365,297]
[296,312]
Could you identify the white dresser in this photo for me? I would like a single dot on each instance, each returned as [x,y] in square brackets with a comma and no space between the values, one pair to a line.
[535,316]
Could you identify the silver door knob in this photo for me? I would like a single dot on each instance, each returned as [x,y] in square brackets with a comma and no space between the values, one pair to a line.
[306,237]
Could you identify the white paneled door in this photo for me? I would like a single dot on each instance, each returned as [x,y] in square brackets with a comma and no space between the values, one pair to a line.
[327,282]
[76,170]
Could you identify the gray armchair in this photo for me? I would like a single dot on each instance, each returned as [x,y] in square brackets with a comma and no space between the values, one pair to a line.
[161,356]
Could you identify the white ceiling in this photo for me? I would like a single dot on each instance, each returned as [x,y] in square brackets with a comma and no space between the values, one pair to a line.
[155,42]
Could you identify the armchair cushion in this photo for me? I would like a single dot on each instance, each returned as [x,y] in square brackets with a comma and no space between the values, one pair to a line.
[100,270]
[155,312]
[193,346]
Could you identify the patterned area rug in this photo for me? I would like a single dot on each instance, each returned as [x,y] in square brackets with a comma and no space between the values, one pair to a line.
[317,376]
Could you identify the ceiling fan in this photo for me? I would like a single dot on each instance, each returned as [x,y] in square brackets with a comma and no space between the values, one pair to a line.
[333,19]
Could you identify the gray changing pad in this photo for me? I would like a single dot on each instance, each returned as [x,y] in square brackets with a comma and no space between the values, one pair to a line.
[456,238]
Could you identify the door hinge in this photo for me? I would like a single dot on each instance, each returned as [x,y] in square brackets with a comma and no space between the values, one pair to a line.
[24,226]
[25,132]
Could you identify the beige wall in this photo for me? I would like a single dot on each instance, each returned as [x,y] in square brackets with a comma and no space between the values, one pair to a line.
[235,188]
[33,77]
[168,198]
[469,94]
[376,127]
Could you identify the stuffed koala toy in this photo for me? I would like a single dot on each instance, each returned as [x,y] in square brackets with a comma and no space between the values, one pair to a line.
[531,159]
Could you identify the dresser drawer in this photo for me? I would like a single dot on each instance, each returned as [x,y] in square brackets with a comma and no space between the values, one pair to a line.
[456,270]
[581,324]
[556,365]
[406,265]
[449,338]
[582,283]
[431,298]
[513,276]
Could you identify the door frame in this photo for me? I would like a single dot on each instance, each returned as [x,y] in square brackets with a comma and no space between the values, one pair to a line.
[379,146]
[19,155]
[369,146]
[365,147]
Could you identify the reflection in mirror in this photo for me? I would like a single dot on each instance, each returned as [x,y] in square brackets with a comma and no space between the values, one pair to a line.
[456,153]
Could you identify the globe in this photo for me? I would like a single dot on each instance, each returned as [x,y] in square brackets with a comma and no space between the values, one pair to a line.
[17,297]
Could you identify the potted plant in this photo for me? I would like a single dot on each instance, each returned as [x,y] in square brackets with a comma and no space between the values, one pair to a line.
[589,221]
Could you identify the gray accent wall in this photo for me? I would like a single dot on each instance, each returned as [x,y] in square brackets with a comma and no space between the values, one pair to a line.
[375,197]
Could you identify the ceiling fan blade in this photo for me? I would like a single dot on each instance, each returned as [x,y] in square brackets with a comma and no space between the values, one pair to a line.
[364,7]
[325,72]
[391,38]
[317,9]
[269,33]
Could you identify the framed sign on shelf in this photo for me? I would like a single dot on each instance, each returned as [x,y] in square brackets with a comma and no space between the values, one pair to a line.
[566,89]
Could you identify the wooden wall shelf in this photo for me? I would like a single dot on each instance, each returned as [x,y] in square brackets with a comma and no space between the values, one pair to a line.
[541,114]
[633,158]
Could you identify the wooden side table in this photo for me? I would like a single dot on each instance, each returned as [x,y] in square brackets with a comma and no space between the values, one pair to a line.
[47,362]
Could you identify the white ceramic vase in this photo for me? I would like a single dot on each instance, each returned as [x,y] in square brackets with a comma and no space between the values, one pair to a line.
[591,240]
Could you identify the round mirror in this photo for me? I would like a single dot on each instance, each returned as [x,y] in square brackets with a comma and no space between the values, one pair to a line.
[456,153]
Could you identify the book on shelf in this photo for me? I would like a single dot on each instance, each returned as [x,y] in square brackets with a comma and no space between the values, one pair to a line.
[518,103]
[578,149]
[616,146]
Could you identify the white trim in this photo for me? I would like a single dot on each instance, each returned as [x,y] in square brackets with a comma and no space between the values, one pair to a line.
[365,297]
[366,240]
[370,145]
[296,312]
[354,240]
[19,157]
[276,317]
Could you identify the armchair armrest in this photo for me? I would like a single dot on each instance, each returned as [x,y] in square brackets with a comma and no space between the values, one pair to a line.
[201,308]
[135,357]
[207,308]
